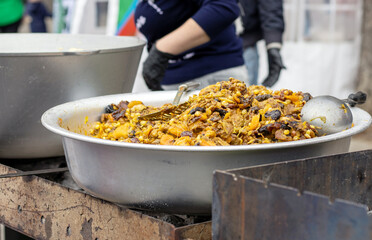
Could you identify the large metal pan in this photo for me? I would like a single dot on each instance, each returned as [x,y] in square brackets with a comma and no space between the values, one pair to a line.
[39,71]
[173,179]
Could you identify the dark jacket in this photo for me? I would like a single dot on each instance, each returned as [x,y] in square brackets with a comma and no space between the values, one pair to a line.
[155,19]
[38,12]
[262,19]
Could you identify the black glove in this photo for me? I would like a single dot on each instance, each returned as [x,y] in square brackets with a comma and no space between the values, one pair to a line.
[154,68]
[275,66]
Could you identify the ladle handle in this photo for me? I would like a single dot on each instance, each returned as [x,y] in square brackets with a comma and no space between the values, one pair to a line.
[356,98]
[184,88]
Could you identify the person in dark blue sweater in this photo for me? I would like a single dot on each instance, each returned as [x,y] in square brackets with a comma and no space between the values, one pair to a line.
[262,19]
[38,12]
[192,40]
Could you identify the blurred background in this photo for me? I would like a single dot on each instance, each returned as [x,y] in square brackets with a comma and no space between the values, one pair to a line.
[322,39]
[325,46]
[325,49]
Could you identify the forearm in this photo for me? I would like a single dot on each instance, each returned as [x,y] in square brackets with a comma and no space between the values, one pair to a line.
[212,17]
[187,36]
[272,21]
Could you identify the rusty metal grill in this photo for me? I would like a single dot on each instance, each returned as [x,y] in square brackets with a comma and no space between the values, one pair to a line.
[327,197]
[51,206]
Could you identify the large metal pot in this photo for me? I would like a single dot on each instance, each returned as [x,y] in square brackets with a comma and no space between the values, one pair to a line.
[174,179]
[39,71]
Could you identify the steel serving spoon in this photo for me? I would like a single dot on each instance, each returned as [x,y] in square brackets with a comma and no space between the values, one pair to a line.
[330,114]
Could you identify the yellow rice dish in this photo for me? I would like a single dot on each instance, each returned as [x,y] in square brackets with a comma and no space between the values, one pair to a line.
[227,113]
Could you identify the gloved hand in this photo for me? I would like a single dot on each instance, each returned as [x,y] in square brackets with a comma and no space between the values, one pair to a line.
[154,68]
[275,66]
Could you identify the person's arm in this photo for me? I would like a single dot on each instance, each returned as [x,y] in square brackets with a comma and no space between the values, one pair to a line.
[212,18]
[187,36]
[272,25]
[271,19]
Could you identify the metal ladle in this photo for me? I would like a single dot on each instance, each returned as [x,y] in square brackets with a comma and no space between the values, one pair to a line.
[176,109]
[330,114]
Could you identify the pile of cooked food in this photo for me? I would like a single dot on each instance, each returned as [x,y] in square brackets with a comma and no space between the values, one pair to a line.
[227,113]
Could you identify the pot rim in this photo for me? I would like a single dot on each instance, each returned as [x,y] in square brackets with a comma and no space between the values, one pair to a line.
[135,44]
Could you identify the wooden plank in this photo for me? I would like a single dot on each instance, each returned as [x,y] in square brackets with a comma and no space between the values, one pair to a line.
[200,231]
[43,209]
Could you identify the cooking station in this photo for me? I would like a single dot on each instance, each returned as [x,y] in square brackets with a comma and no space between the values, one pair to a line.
[333,187]
[106,184]
[50,207]
[327,197]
